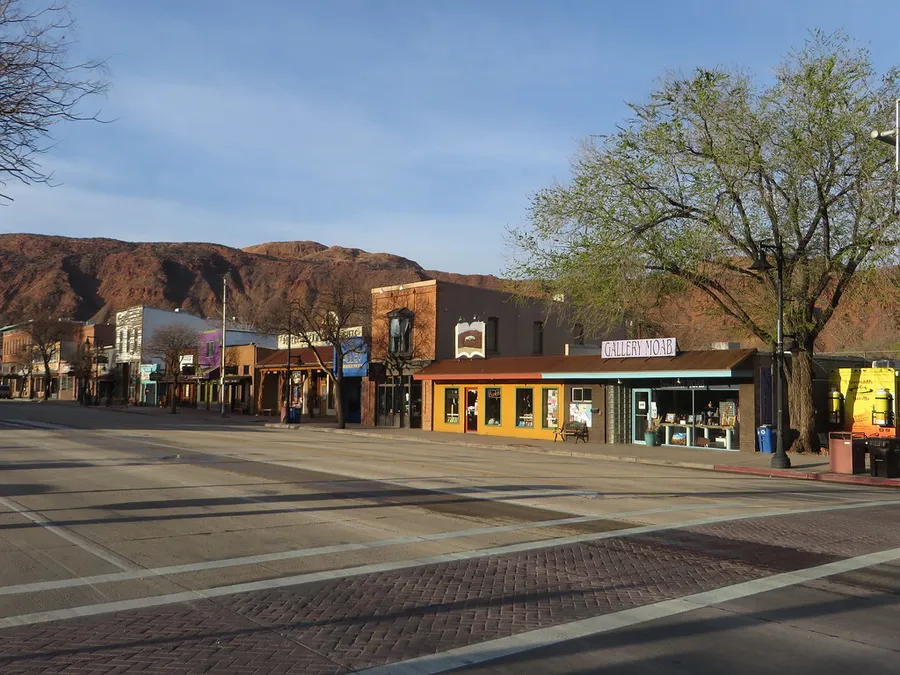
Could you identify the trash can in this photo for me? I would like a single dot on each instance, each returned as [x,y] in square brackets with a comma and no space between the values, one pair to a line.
[884,457]
[294,415]
[846,454]
[764,438]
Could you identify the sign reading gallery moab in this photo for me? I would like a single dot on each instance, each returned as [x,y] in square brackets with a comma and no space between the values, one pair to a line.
[647,348]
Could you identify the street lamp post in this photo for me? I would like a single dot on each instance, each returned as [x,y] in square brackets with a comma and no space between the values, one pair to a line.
[780,460]
[85,372]
[222,353]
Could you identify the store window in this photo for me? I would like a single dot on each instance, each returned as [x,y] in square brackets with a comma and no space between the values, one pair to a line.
[210,349]
[491,342]
[581,394]
[400,331]
[451,405]
[537,337]
[492,406]
[550,408]
[699,418]
[580,406]
[524,408]
[246,370]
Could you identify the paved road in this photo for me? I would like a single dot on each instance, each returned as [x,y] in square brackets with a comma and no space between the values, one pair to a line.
[135,544]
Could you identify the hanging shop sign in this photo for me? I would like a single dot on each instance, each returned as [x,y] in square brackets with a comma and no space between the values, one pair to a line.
[470,340]
[646,348]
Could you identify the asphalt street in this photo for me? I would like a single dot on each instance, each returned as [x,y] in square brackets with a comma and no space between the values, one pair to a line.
[166,544]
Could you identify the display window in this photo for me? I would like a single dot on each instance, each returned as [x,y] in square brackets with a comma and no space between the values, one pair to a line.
[698,418]
[451,405]
[550,408]
[492,406]
[525,408]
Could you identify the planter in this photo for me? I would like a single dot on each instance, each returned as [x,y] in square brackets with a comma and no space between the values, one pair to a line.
[650,438]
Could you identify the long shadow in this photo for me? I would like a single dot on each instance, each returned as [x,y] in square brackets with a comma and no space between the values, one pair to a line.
[24,489]
[433,502]
[640,635]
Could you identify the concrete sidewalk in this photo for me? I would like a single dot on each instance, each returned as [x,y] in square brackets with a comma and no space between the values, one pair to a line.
[803,467]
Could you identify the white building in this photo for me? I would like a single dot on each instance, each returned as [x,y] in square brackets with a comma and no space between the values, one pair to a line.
[135,326]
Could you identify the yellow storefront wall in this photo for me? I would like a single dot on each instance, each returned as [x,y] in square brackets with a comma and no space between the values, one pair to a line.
[858,387]
[508,420]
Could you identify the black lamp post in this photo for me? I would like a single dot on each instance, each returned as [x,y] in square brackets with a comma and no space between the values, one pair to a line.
[86,373]
[780,460]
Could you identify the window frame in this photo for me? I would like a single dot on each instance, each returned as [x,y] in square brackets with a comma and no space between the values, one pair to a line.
[537,338]
[447,398]
[492,335]
[578,334]
[487,402]
[397,317]
[581,398]
[523,416]
[544,407]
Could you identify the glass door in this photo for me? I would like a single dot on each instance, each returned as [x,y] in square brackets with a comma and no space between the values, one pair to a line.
[471,410]
[640,414]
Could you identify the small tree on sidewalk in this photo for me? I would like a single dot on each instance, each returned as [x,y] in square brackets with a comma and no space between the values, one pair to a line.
[170,343]
[45,334]
[324,316]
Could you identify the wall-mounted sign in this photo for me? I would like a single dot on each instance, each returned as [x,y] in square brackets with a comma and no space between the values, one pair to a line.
[147,370]
[646,348]
[356,357]
[298,341]
[470,340]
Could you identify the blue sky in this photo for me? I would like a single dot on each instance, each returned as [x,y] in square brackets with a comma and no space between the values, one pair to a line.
[414,127]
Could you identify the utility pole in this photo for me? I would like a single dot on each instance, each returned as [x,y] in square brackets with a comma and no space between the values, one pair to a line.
[222,353]
[289,401]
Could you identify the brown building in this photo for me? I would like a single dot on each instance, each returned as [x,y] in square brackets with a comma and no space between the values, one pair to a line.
[311,389]
[76,360]
[416,324]
[242,380]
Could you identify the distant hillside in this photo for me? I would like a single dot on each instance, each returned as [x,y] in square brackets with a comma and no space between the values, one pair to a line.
[94,278]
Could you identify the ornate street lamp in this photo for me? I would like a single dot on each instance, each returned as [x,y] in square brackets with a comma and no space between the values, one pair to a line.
[780,460]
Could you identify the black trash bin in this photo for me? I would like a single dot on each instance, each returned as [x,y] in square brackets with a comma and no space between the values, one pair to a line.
[884,457]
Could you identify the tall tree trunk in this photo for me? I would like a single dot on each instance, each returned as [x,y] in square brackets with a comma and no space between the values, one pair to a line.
[339,401]
[402,401]
[801,407]
[173,392]
[46,379]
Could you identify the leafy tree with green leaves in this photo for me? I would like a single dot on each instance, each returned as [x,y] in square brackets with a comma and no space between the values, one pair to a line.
[712,169]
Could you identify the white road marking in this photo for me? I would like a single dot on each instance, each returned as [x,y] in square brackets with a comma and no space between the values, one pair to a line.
[38,425]
[331,575]
[262,558]
[493,650]
[82,543]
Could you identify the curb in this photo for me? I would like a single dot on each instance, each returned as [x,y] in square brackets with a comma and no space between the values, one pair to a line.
[825,477]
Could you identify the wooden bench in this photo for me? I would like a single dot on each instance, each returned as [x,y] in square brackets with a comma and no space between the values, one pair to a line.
[577,429]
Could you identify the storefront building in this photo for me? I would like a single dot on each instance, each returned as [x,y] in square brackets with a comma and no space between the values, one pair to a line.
[310,386]
[705,399]
[416,324]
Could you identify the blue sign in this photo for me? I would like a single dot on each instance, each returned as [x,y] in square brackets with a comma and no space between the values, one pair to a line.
[356,357]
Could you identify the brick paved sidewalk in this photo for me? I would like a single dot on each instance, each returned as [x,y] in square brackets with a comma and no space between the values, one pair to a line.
[375,619]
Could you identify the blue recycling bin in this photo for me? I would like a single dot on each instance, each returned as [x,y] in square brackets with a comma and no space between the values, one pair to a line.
[765,438]
[293,415]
